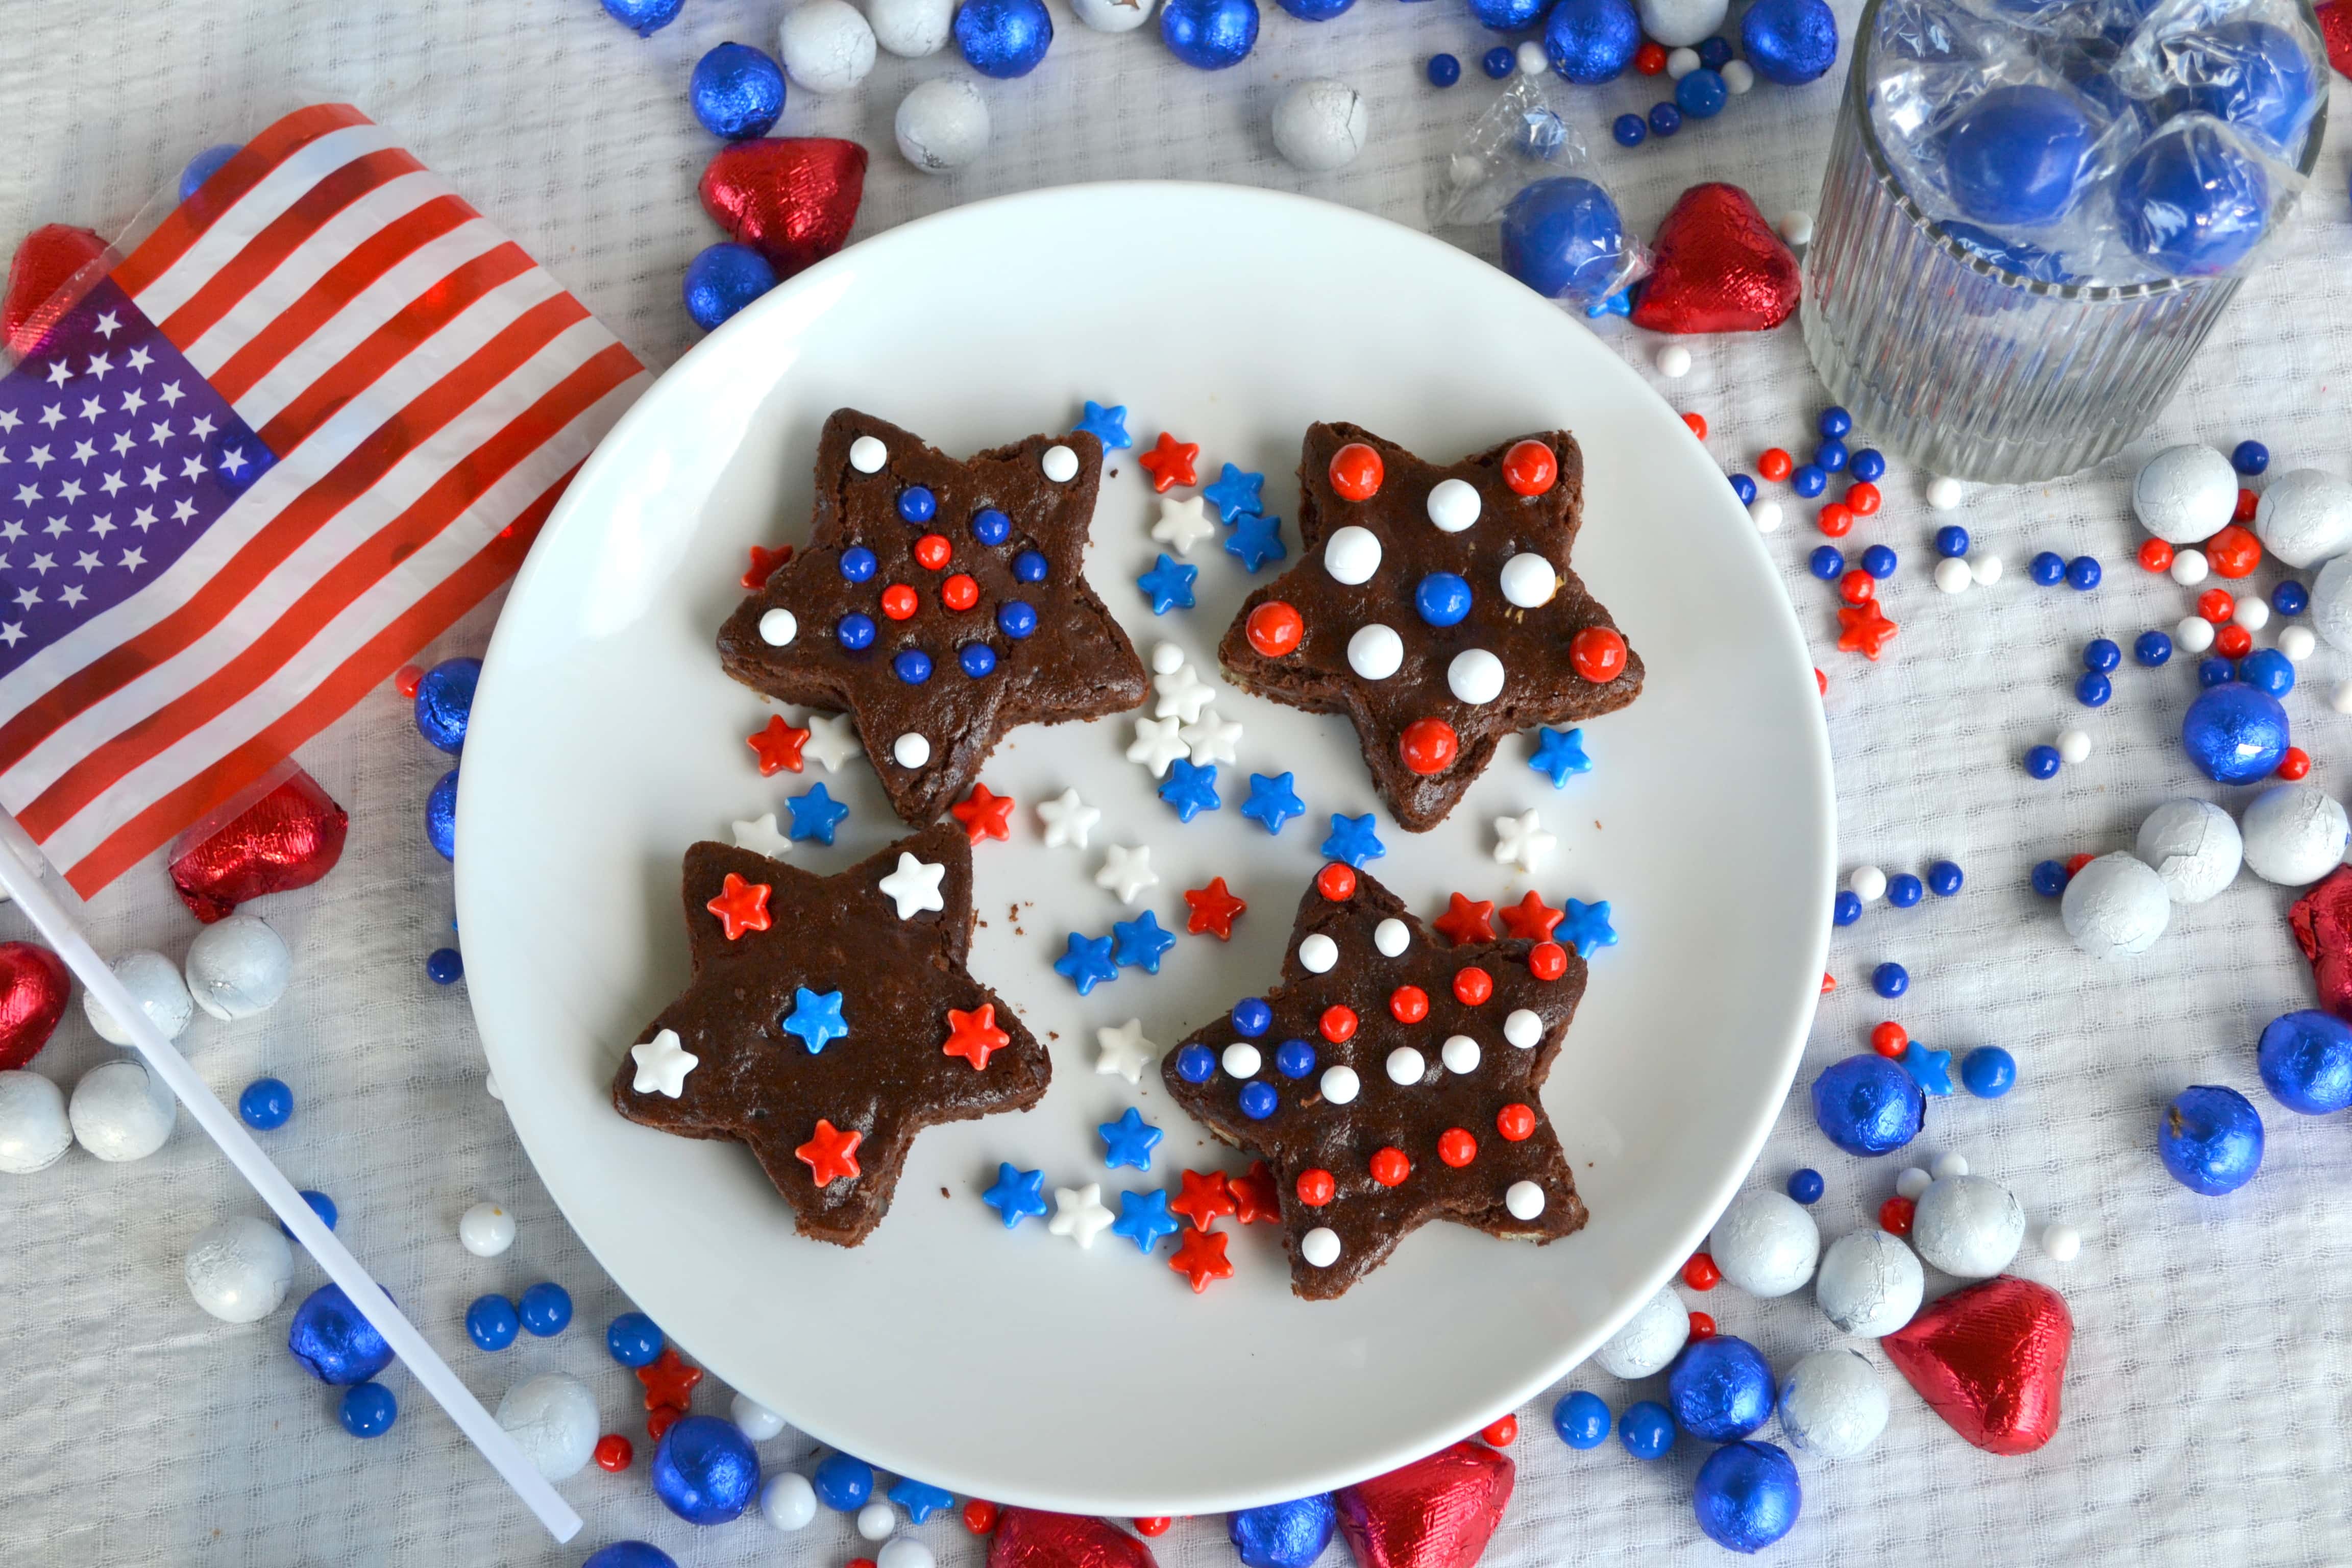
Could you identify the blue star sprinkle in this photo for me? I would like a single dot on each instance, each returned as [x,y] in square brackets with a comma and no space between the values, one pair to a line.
[1621,303]
[1931,1070]
[1087,964]
[1353,840]
[1017,1195]
[816,1017]
[1168,585]
[1142,942]
[1255,540]
[1560,755]
[1129,1140]
[1143,1217]
[1586,927]
[1272,801]
[1190,790]
[1108,426]
[919,1500]
[1234,493]
[814,816]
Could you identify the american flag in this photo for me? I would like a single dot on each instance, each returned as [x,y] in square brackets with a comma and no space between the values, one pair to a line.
[315,415]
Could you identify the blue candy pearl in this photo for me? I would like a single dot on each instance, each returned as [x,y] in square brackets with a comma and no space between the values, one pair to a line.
[1869,463]
[1209,35]
[1806,1185]
[2050,877]
[843,1484]
[2235,733]
[445,966]
[1720,1389]
[1744,488]
[1506,15]
[1646,1429]
[1665,119]
[1258,1101]
[1791,42]
[2092,690]
[1561,237]
[1834,422]
[2250,458]
[737,92]
[1002,38]
[1808,480]
[1629,129]
[1890,979]
[2250,74]
[368,1410]
[1867,1104]
[1442,598]
[1016,618]
[705,1470]
[1988,1072]
[333,1342]
[1317,10]
[2306,1060]
[2047,568]
[645,17]
[1444,71]
[1581,1419]
[2042,761]
[1196,1064]
[1830,455]
[911,665]
[1951,541]
[630,1554]
[2016,156]
[2211,1139]
[1591,41]
[2083,574]
[1498,62]
[633,1339]
[1293,1059]
[2269,670]
[977,658]
[2289,597]
[266,1104]
[1714,54]
[917,504]
[1701,93]
[2102,655]
[721,280]
[1879,562]
[2215,670]
[445,701]
[493,1322]
[855,631]
[320,1204]
[2152,649]
[1827,562]
[1905,890]
[1944,878]
[991,526]
[1252,1017]
[1284,1534]
[857,564]
[441,815]
[2191,203]
[1746,1496]
[546,1309]
[204,166]
[1029,567]
[1846,908]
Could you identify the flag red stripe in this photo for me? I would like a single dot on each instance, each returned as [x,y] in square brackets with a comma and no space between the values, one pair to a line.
[372,665]
[333,593]
[409,331]
[279,237]
[342,283]
[187,222]
[303,517]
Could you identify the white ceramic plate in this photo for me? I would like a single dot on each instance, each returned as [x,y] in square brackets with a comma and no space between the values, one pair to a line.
[1014,1365]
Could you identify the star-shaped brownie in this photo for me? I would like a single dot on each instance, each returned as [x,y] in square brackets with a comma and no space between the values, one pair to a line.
[782,956]
[1435,608]
[939,603]
[1388,1092]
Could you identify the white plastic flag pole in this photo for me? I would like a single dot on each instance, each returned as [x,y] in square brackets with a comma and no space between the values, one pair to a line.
[65,935]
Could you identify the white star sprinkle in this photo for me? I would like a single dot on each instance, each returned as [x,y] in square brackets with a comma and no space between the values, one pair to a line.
[1156,745]
[1124,1051]
[1182,694]
[759,835]
[1078,1214]
[1067,820]
[1127,872]
[1183,523]
[914,887]
[1212,738]
[831,741]
[1521,841]
[663,1064]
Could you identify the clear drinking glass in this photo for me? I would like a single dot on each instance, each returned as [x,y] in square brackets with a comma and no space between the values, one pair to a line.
[1966,369]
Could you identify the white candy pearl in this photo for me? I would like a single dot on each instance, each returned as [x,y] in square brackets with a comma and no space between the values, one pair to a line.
[1391,936]
[1969,1227]
[237,967]
[1319,1247]
[1766,1243]
[1375,652]
[122,1111]
[2297,643]
[2340,698]
[942,125]
[2304,517]
[2252,612]
[2064,1243]
[2190,567]
[2194,846]
[1651,1338]
[2184,494]
[778,627]
[1460,1053]
[1529,580]
[1317,953]
[1834,1404]
[34,1131]
[2194,634]
[1952,575]
[1523,1029]
[1950,1165]
[1351,554]
[1167,658]
[905,1553]
[1797,229]
[825,45]
[1680,63]
[2295,834]
[1320,125]
[1533,61]
[1867,883]
[911,750]
[1453,505]
[240,1268]
[154,983]
[1059,463]
[1985,569]
[1112,16]
[877,1520]
[1678,23]
[911,28]
[1766,514]
[867,454]
[552,1419]
[1869,1284]
[1945,493]
[1524,1199]
[1911,1181]
[2331,604]
[1405,1066]
[2073,746]
[1474,676]
[1242,1059]
[788,1500]
[1673,361]
[2115,907]
[1341,1085]
[486,1230]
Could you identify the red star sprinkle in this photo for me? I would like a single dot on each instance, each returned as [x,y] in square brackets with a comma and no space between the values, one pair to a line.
[1829,983]
[830,1154]
[779,746]
[740,906]
[763,564]
[1208,1195]
[406,680]
[1255,1197]
[1530,920]
[984,814]
[1200,1257]
[1465,921]
[669,1382]
[1170,463]
[1214,909]
[973,1036]
[1864,628]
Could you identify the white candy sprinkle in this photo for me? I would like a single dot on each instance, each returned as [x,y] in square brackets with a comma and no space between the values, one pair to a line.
[1681,62]
[1319,1247]
[2297,642]
[1524,1199]
[905,1553]
[1912,1182]
[1341,1085]
[1406,1066]
[1529,580]
[2341,697]
[867,455]
[755,1420]
[1351,554]
[1797,229]
[2074,746]
[788,1501]
[1523,1029]
[1460,1053]
[1241,1059]
[1474,676]
[1944,493]
[1673,361]
[486,1230]
[2193,635]
[1952,575]
[1985,569]
[1950,1165]
[2062,1242]
[1375,652]
[778,627]
[1867,883]
[1317,953]
[1167,658]
[1453,505]
[1533,61]
[1766,514]
[2190,567]
[877,1520]
[911,750]
[2252,612]
[1391,937]
[1060,464]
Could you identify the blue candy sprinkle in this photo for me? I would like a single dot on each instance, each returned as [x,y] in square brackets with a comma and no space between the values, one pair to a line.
[368,1410]
[1029,567]
[1869,463]
[1831,456]
[2289,597]
[1087,962]
[1714,54]
[1646,1430]
[1879,562]
[2042,761]
[911,665]
[1806,1185]
[815,1019]
[1258,1101]
[445,966]
[1664,119]
[1702,93]
[1834,422]
[2267,669]
[2102,655]
[1890,979]
[1808,479]
[2082,573]
[1143,1219]
[1988,1072]
[2049,568]
[1442,598]
[1128,1141]
[2215,671]
[1931,1070]
[1353,840]
[2050,877]
[1256,540]
[1744,488]
[1190,790]
[814,814]
[917,504]
[1629,129]
[841,1483]
[1168,585]
[857,564]
[1108,426]
[633,1339]
[920,1498]
[855,631]
[1016,618]
[1498,62]
[1196,1064]
[320,1204]
[2152,648]
[1444,71]
[1944,878]
[1951,541]
[266,1104]
[1827,562]
[1235,494]
[546,1309]
[1141,942]
[2250,458]
[1560,755]
[1581,1419]
[991,526]
[977,658]
[1252,1017]
[1293,1059]
[1587,927]
[1272,801]
[2092,689]
[1846,908]
[493,1322]
[1903,890]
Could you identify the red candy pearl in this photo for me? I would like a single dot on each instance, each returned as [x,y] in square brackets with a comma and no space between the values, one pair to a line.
[1857,587]
[1157,1525]
[1889,1038]
[2233,642]
[2295,764]
[1530,469]
[1337,1024]
[661,1419]
[2155,556]
[933,551]
[1597,653]
[1430,745]
[1409,1003]
[1390,1166]
[899,602]
[1836,520]
[1335,881]
[1456,1147]
[2234,551]
[1702,1327]
[1894,1216]
[1502,1433]
[2248,501]
[1356,472]
[960,593]
[406,680]
[1650,57]
[1514,1122]
[1274,629]
[1472,985]
[2216,606]
[1701,1273]
[1316,1187]
[1775,464]
[1697,424]
[1546,960]
[612,1452]
[979,1516]
[2075,863]
[1863,498]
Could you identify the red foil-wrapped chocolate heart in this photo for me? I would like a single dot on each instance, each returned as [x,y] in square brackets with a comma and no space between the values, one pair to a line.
[1029,1538]
[33,989]
[2335,31]
[45,263]
[289,838]
[2322,922]
[1437,1512]
[791,198]
[1989,1360]
[1716,267]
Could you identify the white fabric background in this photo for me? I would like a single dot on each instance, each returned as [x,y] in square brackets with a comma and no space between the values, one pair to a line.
[2207,1405]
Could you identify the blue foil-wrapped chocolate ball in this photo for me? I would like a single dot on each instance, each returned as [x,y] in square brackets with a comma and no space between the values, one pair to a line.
[2192,202]
[721,280]
[441,815]
[2307,1062]
[1867,1104]
[630,1554]
[1506,15]
[1209,35]
[1003,38]
[1591,41]
[1748,1496]
[2235,732]
[2019,155]
[1791,42]
[2211,1139]
[204,166]
[704,1471]
[1562,237]
[1720,1388]
[737,92]
[644,18]
[335,1342]
[445,701]
[1324,10]
[1284,1534]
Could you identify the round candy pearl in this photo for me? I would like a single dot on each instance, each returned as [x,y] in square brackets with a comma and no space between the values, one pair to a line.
[2211,1139]
[788,1501]
[911,29]
[1867,1105]
[1677,22]
[1969,1227]
[1789,41]
[1317,953]
[1391,937]
[2295,834]
[941,125]
[1673,361]
[1405,1066]
[1523,1029]
[1945,493]
[2064,1243]
[1948,1165]
[826,46]
[240,1268]
[121,1111]
[1985,569]
[1460,1053]
[1833,1403]
[2297,643]
[778,627]
[486,1230]
[1319,1247]
[630,1554]
[1241,1060]
[1115,16]
[737,92]
[1911,1182]
[1952,575]
[755,1420]
[1474,676]
[905,1553]
[2073,746]
[1869,1283]
[1561,236]
[1766,514]
[2306,1060]
[867,454]
[1453,505]
[1867,883]
[2185,494]
[2116,907]
[2251,613]
[154,983]
[1806,1185]
[368,1410]
[237,967]
[1651,1338]
[1209,35]
[1339,1084]
[1766,1243]
[35,1132]
[1528,581]
[1591,41]
[1988,1072]
[633,1339]
[2191,203]
[1647,1429]
[1719,1389]
[2193,635]
[493,1322]
[1320,125]
[2190,567]
[1796,228]
[724,277]
[1533,61]
[1581,1419]
[910,750]
[2304,517]
[1351,554]
[1375,652]
[877,1520]
[552,1419]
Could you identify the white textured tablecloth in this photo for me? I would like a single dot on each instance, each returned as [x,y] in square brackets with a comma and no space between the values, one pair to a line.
[2207,1405]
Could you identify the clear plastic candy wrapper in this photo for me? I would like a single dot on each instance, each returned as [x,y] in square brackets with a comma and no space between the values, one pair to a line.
[1521,167]
[2102,142]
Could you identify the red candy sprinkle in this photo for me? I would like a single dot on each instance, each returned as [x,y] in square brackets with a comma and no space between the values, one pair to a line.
[1597,653]
[1429,745]
[1530,469]
[863,1562]
[1889,1038]
[1502,1433]
[406,680]
[614,1453]
[1157,1525]
[2234,551]
[1169,462]
[779,746]
[668,1381]
[1894,1216]
[1516,1123]
[1650,57]
[1829,983]
[1255,1197]
[1456,1147]
[1865,629]
[984,814]
[1409,1003]
[763,565]
[1835,519]
[2075,863]
[1702,1327]
[1390,1166]
[899,602]
[933,551]
[1857,587]
[831,1154]
[1472,986]
[2216,606]
[1700,1273]
[1316,1187]
[1274,629]
[1775,464]
[1335,881]
[1546,960]
[960,593]
[2248,503]
[2233,642]
[979,1516]
[1467,920]
[1356,472]
[2155,556]
[1530,919]
[1698,423]
[1200,1257]
[1207,1197]
[1822,680]
[1863,498]
[740,906]
[1337,1024]
[2295,764]
[661,1419]
[1214,909]
[974,1036]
